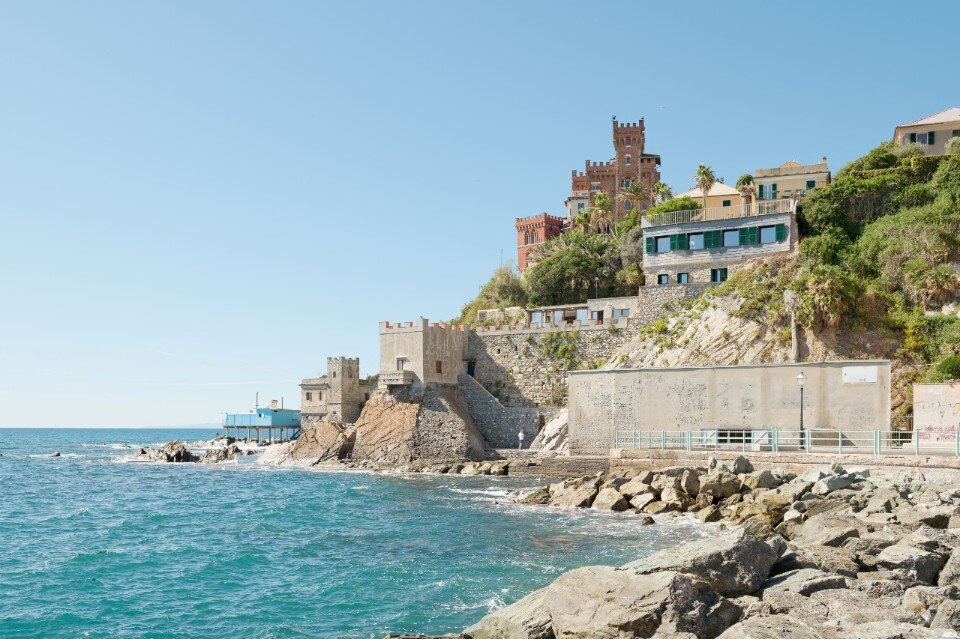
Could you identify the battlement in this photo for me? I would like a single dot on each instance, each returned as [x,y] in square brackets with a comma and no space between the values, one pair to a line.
[421,325]
[600,165]
[343,360]
[628,125]
[536,220]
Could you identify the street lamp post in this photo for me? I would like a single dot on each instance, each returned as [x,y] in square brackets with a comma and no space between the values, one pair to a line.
[800,380]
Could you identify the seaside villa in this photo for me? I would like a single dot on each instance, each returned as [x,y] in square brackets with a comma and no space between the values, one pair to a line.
[931,132]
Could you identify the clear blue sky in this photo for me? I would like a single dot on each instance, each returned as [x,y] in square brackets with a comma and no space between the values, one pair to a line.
[200,200]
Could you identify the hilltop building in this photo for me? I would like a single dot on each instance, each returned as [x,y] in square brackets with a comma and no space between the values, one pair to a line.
[720,195]
[631,164]
[932,132]
[790,179]
[420,353]
[707,245]
[337,396]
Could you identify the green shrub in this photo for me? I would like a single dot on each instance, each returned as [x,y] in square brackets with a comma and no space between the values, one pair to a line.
[825,248]
[946,180]
[952,147]
[825,296]
[882,157]
[946,369]
[684,203]
[913,195]
[925,283]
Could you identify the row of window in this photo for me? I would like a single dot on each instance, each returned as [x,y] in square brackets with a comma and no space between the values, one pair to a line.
[769,191]
[309,397]
[717,239]
[716,275]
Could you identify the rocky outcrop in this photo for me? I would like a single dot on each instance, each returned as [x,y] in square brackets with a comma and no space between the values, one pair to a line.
[402,426]
[858,557]
[171,452]
[553,436]
[326,441]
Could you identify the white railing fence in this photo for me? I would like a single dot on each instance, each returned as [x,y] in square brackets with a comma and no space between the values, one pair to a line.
[864,442]
[761,207]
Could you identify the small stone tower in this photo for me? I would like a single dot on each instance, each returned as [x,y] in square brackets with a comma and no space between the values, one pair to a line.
[345,396]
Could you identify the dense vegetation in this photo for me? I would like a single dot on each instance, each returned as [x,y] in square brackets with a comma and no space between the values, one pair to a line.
[877,253]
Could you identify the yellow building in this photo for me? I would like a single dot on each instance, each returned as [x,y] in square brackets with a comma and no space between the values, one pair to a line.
[790,179]
[720,195]
[932,132]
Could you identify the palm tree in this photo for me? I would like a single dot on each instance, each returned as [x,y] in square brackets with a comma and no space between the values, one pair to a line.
[582,220]
[662,192]
[636,195]
[705,179]
[745,186]
[630,221]
[602,215]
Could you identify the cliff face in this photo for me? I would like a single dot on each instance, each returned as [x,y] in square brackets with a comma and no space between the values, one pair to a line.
[401,427]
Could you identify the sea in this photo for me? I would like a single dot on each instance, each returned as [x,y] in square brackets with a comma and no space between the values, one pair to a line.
[94,546]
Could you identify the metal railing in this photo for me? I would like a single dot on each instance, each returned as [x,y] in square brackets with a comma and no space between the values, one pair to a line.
[760,207]
[863,442]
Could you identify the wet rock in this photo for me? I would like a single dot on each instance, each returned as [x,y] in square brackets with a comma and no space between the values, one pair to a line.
[171,452]
[733,565]
[219,455]
[540,496]
[647,520]
[709,514]
[658,507]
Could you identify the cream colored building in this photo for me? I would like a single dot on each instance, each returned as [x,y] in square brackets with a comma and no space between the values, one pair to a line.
[720,195]
[931,132]
[790,179]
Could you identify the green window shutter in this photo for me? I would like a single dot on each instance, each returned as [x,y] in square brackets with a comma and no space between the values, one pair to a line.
[930,138]
[673,242]
[682,241]
[744,236]
[723,275]
[781,232]
[651,246]
[913,137]
[811,184]
[773,187]
[754,234]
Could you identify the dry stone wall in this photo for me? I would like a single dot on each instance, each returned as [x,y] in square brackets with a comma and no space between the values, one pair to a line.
[499,425]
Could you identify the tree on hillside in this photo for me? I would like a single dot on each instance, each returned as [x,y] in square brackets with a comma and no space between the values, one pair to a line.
[503,290]
[635,196]
[582,221]
[953,146]
[602,215]
[705,178]
[745,186]
[662,192]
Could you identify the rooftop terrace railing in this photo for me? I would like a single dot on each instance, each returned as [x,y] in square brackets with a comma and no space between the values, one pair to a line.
[754,209]
[862,442]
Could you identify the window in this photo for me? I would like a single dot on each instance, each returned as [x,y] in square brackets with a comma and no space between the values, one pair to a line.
[678,242]
[625,183]
[320,396]
[628,205]
[663,278]
[768,234]
[683,278]
[621,312]
[726,202]
[955,133]
[401,363]
[594,187]
[811,184]
[731,238]
[628,160]
[695,241]
[718,275]
[628,144]
[439,367]
[734,436]
[334,374]
[309,397]
[922,138]
[580,206]
[712,239]
[663,244]
[749,235]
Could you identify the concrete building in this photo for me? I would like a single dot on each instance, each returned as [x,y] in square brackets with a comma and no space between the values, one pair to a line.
[790,180]
[532,233]
[728,402]
[337,396]
[936,411]
[707,245]
[720,195]
[932,132]
[419,353]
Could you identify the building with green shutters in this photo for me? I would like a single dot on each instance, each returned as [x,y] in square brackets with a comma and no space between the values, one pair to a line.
[707,245]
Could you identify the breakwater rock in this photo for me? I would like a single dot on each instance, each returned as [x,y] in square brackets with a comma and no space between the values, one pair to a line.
[176,452]
[829,554]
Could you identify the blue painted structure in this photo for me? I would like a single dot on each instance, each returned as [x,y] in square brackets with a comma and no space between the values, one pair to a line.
[283,417]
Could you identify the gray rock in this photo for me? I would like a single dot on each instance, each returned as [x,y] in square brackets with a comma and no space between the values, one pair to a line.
[935,518]
[892,630]
[831,483]
[772,627]
[606,603]
[825,558]
[720,485]
[827,529]
[635,487]
[709,514]
[734,564]
[947,615]
[922,564]
[580,497]
[690,482]
[950,574]
[763,479]
[610,499]
[741,465]
[539,496]
[642,500]
[647,520]
[924,600]
[805,581]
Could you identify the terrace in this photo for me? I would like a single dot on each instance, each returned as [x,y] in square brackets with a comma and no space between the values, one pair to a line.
[754,209]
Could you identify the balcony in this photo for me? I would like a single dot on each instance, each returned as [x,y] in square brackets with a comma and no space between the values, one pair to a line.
[754,209]
[395,378]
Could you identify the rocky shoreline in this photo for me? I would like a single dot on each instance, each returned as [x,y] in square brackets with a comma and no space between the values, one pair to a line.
[829,554]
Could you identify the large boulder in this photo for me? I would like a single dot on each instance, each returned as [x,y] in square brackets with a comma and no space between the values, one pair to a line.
[220,454]
[636,486]
[772,627]
[804,582]
[326,441]
[914,562]
[174,452]
[733,564]
[720,485]
[605,603]
[610,499]
[836,560]
[950,574]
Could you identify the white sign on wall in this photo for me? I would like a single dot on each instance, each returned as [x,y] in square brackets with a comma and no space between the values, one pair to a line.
[859,374]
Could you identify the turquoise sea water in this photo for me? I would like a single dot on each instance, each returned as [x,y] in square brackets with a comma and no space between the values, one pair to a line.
[91,546]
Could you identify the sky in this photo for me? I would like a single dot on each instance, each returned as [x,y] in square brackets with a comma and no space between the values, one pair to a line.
[200,201]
